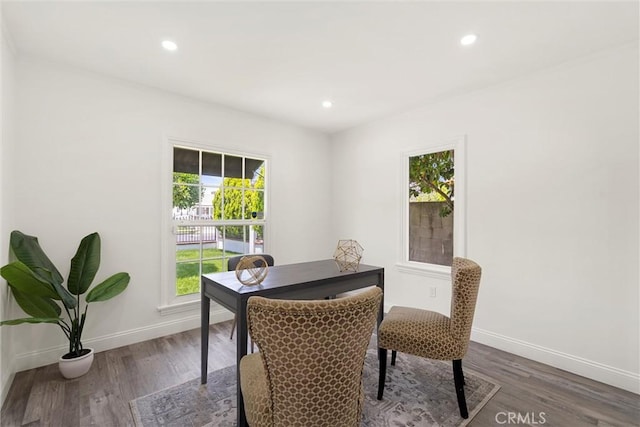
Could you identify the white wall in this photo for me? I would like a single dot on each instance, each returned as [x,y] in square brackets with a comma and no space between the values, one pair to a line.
[89,159]
[7,138]
[552,208]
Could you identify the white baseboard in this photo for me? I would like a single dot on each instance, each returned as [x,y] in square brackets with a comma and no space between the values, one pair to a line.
[587,368]
[50,355]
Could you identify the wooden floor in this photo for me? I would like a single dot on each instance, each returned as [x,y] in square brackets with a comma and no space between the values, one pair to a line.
[538,394]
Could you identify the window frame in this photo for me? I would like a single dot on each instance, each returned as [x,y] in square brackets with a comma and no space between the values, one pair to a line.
[459,145]
[171,303]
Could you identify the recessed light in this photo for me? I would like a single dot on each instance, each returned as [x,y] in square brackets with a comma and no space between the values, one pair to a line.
[469,39]
[169,45]
[327,104]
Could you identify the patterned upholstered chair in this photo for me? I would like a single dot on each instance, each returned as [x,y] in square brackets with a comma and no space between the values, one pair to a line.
[309,368]
[433,335]
[232,263]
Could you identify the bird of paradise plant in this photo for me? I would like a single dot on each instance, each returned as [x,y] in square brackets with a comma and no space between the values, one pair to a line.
[37,286]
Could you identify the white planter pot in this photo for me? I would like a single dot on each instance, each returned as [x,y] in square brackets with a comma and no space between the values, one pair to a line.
[73,368]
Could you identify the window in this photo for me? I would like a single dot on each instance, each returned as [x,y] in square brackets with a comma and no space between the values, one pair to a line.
[218,210]
[434,214]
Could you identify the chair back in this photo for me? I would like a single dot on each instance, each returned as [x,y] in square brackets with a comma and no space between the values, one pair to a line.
[313,354]
[232,262]
[465,278]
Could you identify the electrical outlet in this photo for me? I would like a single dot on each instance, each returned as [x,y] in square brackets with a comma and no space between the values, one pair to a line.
[432,292]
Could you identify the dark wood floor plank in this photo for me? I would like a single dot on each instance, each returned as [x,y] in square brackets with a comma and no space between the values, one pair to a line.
[41,397]
[14,409]
[71,401]
[35,401]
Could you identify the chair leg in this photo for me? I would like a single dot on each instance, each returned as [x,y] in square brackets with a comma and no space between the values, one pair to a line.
[382,357]
[233,328]
[393,357]
[458,378]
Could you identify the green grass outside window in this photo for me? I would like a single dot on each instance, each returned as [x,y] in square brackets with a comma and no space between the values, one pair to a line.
[188,267]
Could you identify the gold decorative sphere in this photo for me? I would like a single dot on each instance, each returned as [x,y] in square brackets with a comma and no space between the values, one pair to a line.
[251,270]
[348,255]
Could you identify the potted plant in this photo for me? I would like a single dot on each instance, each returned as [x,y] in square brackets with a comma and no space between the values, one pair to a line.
[36,285]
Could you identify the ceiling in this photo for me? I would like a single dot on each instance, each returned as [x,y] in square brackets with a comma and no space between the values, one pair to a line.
[282,59]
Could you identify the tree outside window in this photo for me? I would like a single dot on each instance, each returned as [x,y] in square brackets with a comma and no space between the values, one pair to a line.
[243,199]
[185,196]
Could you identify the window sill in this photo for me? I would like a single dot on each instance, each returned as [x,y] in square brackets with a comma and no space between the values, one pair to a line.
[430,270]
[167,310]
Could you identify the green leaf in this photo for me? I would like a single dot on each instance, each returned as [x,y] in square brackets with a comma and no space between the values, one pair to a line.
[108,289]
[67,299]
[27,250]
[84,265]
[37,307]
[28,320]
[20,277]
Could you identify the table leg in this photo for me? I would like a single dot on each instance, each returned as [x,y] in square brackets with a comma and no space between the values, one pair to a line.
[381,310]
[204,336]
[241,344]
[381,286]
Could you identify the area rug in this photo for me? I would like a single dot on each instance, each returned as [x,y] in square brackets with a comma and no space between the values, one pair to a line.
[419,392]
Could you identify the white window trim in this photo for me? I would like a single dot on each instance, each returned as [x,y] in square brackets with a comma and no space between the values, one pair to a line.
[459,145]
[169,302]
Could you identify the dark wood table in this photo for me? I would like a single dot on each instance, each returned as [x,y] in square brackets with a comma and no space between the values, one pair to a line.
[307,280]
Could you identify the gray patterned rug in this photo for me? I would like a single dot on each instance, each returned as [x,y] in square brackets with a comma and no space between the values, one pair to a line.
[419,392]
